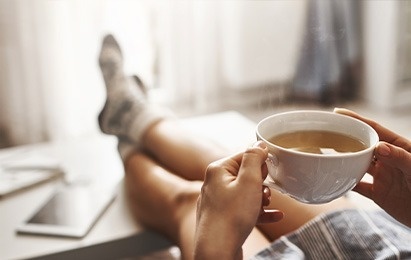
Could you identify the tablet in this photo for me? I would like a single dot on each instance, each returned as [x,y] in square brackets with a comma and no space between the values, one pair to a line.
[70,212]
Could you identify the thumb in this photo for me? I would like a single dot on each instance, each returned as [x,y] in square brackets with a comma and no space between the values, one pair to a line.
[252,161]
[396,157]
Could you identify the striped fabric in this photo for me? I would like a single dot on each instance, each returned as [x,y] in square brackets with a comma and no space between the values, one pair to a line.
[347,234]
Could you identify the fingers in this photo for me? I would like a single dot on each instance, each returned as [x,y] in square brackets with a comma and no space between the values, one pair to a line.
[347,112]
[247,168]
[384,133]
[364,189]
[395,157]
[253,160]
[372,123]
[270,216]
[266,196]
[217,169]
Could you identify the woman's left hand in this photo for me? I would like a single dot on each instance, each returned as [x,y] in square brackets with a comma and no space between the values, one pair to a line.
[391,185]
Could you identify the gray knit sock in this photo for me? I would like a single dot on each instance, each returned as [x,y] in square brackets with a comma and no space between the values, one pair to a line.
[126,112]
[125,148]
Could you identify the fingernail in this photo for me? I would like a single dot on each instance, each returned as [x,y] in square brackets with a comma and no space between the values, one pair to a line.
[340,110]
[383,149]
[260,144]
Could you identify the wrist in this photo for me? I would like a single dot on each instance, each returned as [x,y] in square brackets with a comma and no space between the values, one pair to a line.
[205,252]
[216,241]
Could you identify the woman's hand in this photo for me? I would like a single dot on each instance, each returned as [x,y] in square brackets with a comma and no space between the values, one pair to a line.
[231,203]
[391,171]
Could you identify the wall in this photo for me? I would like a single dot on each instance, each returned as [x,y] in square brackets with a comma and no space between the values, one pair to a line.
[261,41]
[383,55]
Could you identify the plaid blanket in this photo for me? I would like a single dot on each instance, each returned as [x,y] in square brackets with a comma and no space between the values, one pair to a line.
[345,234]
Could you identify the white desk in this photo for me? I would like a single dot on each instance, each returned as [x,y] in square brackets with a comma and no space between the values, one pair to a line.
[115,235]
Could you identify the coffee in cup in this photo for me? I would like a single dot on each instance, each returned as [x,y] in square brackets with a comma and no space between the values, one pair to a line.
[318,142]
[316,156]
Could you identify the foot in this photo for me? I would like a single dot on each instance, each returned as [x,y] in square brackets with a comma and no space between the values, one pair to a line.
[126,113]
[125,100]
[110,59]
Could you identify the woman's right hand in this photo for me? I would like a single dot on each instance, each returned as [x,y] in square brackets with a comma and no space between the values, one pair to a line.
[391,171]
[231,203]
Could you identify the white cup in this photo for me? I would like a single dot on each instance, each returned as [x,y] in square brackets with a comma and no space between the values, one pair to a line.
[315,178]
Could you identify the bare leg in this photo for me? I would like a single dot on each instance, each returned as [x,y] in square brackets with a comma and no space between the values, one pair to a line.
[166,203]
[179,150]
[187,156]
[296,214]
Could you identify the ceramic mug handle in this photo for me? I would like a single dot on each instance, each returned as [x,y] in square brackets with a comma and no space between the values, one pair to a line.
[272,166]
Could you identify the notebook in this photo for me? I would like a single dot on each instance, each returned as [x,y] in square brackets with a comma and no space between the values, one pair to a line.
[25,171]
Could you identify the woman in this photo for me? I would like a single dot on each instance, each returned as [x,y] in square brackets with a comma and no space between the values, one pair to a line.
[169,171]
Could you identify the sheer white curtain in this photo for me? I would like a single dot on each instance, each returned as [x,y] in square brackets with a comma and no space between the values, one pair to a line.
[191,54]
[50,83]
[211,52]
